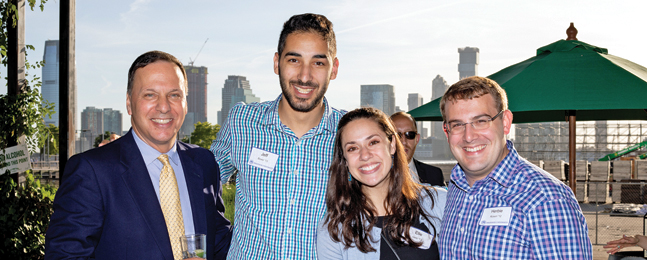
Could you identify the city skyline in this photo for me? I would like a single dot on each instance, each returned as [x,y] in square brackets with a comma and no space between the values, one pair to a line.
[97,121]
[379,42]
[94,123]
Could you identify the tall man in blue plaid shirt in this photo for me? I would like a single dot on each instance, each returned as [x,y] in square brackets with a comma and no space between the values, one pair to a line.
[282,148]
[499,205]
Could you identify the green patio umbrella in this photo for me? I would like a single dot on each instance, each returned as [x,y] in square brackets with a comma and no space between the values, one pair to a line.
[568,79]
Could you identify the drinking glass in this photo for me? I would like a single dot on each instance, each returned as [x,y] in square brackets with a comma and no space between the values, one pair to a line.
[194,245]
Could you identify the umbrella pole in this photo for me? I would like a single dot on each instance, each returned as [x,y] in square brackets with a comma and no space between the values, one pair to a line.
[571,151]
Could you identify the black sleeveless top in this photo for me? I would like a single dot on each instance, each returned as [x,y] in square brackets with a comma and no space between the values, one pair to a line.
[406,252]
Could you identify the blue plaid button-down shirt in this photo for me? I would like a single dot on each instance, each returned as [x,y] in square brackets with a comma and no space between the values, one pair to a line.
[276,211]
[546,220]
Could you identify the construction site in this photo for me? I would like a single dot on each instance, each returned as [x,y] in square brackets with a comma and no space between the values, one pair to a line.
[594,140]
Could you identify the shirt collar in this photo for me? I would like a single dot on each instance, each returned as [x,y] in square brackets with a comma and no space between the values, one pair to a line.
[414,171]
[502,173]
[412,165]
[150,154]
[271,116]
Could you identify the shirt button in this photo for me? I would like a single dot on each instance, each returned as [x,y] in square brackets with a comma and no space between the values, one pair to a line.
[460,215]
[289,231]
[471,197]
[292,201]
[295,172]
[462,230]
[298,143]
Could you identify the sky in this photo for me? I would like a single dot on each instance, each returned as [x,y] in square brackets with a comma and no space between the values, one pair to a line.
[403,43]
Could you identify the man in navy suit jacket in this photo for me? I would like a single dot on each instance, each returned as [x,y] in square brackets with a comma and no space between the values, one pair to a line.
[409,137]
[108,206]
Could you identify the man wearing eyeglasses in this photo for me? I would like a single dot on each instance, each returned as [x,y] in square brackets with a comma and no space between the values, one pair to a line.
[409,137]
[499,205]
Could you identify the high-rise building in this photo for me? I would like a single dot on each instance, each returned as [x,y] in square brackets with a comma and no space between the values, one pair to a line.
[414,101]
[91,121]
[381,97]
[97,121]
[112,121]
[469,61]
[438,87]
[91,127]
[196,100]
[50,89]
[439,146]
[236,89]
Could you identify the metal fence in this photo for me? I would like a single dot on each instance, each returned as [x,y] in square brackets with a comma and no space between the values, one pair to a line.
[613,209]
[45,171]
[44,164]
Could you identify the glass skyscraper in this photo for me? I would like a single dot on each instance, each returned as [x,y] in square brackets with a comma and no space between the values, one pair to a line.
[236,89]
[92,120]
[50,87]
[381,97]
[112,121]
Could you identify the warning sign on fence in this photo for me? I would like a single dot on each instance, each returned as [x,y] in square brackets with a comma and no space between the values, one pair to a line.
[15,159]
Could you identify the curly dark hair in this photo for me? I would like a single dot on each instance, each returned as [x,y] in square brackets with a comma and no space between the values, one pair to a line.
[308,22]
[350,215]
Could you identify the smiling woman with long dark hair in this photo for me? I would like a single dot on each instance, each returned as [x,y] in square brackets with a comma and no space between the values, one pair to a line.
[375,210]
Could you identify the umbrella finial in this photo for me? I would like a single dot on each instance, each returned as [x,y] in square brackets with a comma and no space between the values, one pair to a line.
[571,32]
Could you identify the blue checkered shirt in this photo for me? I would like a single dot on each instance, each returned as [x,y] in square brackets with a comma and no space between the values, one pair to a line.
[546,220]
[276,211]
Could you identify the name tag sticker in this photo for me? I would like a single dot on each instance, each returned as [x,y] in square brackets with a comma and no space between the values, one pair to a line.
[423,237]
[499,216]
[263,159]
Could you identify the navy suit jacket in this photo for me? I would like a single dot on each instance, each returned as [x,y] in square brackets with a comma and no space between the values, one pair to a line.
[429,174]
[106,207]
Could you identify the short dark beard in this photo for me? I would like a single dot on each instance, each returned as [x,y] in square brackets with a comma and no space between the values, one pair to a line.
[299,104]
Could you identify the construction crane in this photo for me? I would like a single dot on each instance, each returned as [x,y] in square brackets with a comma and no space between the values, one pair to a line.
[622,152]
[196,56]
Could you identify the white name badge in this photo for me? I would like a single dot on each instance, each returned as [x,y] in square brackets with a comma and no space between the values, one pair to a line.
[262,159]
[499,216]
[420,236]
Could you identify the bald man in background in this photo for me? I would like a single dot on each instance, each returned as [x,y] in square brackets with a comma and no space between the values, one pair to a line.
[409,137]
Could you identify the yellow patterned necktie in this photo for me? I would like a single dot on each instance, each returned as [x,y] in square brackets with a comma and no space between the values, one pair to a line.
[170,201]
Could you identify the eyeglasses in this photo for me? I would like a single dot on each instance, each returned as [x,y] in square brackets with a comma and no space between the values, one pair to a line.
[409,135]
[456,128]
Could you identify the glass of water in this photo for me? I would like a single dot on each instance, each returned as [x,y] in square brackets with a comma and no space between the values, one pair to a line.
[194,246]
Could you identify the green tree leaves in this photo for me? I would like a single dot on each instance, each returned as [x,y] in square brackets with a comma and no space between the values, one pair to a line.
[50,143]
[203,134]
[24,217]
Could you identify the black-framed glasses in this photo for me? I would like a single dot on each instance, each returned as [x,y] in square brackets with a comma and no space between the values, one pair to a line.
[409,135]
[456,128]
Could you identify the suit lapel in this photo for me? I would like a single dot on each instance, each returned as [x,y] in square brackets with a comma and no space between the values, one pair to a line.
[194,181]
[141,188]
[422,174]
[417,164]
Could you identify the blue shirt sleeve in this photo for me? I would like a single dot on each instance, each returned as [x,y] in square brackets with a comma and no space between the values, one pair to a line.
[558,230]
[221,149]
